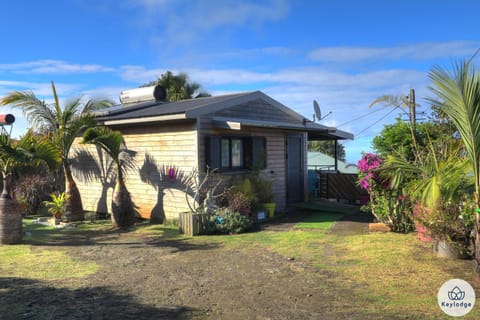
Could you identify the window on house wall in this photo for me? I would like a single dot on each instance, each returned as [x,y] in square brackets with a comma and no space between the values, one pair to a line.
[230,153]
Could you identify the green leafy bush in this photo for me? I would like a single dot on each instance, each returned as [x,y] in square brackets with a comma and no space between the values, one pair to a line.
[30,191]
[228,221]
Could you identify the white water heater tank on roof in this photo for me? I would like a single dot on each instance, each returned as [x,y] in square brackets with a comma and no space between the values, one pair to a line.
[152,93]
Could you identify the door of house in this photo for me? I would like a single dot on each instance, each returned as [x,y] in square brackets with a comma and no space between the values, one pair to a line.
[294,169]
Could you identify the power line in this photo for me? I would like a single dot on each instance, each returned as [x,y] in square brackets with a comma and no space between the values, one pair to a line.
[358,118]
[386,115]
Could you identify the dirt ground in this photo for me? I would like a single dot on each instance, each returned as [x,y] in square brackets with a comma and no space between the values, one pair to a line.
[157,278]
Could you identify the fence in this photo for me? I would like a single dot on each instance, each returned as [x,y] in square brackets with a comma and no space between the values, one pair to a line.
[340,186]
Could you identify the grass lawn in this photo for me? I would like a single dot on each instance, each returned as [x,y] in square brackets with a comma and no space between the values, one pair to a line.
[380,272]
[320,220]
[388,273]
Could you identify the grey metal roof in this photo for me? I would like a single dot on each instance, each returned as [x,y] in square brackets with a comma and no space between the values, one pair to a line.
[190,109]
[159,108]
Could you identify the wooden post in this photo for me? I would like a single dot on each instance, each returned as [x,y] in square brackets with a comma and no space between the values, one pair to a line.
[335,152]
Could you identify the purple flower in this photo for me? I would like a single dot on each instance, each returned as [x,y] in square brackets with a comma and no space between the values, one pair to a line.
[369,162]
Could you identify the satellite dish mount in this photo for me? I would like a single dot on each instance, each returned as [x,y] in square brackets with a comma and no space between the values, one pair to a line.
[317,116]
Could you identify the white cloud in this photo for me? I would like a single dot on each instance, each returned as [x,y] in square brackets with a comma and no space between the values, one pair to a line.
[170,24]
[52,67]
[416,51]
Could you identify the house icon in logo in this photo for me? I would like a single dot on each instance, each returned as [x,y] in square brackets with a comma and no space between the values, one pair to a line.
[456,294]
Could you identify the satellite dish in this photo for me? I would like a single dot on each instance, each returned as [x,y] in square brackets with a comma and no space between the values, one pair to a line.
[318,113]
[316,108]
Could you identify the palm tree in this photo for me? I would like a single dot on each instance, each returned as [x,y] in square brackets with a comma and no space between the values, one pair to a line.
[15,157]
[178,86]
[439,174]
[457,94]
[112,143]
[62,125]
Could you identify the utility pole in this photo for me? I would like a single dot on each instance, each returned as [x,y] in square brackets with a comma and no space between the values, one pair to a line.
[413,118]
[411,108]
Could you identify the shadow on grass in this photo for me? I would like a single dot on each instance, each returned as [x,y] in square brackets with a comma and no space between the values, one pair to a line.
[29,299]
[159,236]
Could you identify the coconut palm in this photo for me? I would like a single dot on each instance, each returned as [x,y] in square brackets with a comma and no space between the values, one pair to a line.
[112,143]
[15,157]
[457,94]
[62,125]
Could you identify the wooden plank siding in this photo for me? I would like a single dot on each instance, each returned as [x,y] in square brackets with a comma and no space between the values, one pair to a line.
[182,144]
[157,147]
[275,165]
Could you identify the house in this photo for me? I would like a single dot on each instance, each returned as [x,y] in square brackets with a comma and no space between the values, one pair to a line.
[232,132]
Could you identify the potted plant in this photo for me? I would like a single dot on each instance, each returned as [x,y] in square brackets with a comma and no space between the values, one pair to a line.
[450,227]
[264,193]
[57,206]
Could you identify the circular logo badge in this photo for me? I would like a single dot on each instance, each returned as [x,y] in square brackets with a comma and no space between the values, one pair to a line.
[456,297]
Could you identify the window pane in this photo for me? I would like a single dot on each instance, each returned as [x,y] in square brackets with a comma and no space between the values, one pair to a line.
[237,153]
[225,153]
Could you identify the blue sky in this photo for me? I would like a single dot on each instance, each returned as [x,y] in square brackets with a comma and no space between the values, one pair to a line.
[343,54]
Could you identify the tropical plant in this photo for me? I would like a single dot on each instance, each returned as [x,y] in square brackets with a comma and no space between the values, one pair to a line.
[178,87]
[18,156]
[123,209]
[387,201]
[14,157]
[457,94]
[58,205]
[62,125]
[438,182]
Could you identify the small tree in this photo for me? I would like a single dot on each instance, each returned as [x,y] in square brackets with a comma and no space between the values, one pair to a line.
[15,156]
[111,142]
[62,125]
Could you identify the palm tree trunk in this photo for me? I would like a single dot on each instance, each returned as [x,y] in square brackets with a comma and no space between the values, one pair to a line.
[74,207]
[11,228]
[477,230]
[122,206]
[7,182]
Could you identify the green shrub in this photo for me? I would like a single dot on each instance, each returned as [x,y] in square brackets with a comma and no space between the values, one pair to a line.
[228,221]
[263,189]
[30,191]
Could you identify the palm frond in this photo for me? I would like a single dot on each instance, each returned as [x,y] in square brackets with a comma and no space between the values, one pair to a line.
[94,105]
[389,100]
[112,142]
[37,111]
[457,94]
